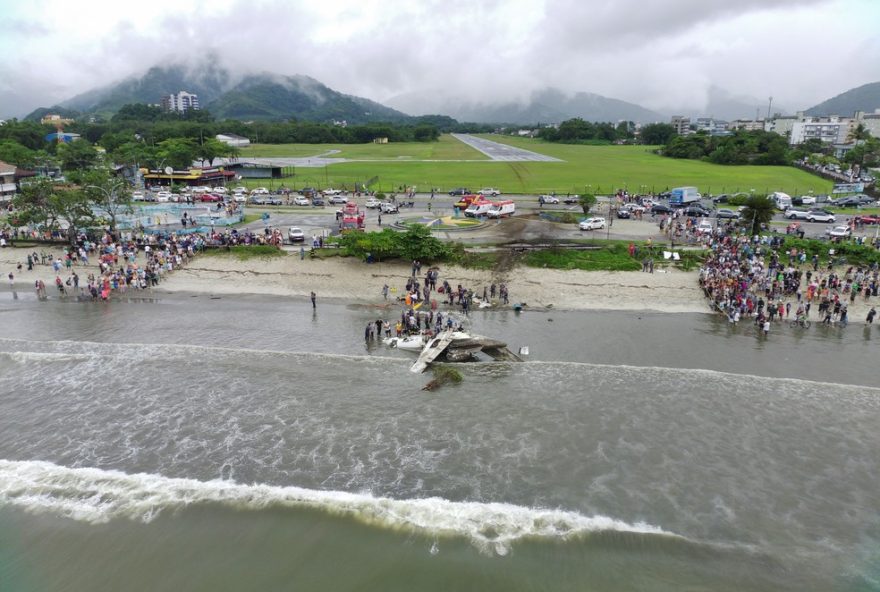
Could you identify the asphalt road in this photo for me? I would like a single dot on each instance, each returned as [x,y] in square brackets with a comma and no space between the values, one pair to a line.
[502,152]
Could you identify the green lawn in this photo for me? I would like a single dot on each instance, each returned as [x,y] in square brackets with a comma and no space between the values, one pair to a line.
[597,169]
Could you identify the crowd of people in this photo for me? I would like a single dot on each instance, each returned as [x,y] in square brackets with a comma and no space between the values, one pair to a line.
[126,260]
[421,314]
[757,278]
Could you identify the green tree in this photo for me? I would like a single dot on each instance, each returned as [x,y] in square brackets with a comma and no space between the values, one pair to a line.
[177,153]
[211,149]
[14,153]
[417,242]
[77,155]
[587,201]
[657,134]
[758,211]
[50,207]
[110,195]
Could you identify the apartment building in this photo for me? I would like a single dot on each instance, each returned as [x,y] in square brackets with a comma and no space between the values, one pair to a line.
[180,102]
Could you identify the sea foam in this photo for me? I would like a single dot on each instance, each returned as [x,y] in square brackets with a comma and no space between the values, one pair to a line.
[98,496]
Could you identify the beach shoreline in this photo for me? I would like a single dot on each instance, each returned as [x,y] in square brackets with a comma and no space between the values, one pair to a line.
[354,281]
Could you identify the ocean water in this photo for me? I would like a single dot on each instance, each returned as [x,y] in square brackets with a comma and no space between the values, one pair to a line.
[190,443]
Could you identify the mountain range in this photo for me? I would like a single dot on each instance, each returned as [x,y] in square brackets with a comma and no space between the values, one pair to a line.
[863,98]
[266,96]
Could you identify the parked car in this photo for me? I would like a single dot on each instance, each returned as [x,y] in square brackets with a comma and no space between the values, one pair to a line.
[239,198]
[696,210]
[138,196]
[704,227]
[548,198]
[592,224]
[634,208]
[337,199]
[329,192]
[318,201]
[489,191]
[839,232]
[808,200]
[868,219]
[308,191]
[389,207]
[296,235]
[797,214]
[163,197]
[724,213]
[460,191]
[624,213]
[372,203]
[260,191]
[210,197]
[820,216]
[854,201]
[301,200]
[659,208]
[572,199]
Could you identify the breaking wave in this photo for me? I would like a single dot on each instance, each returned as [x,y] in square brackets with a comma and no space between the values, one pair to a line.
[98,496]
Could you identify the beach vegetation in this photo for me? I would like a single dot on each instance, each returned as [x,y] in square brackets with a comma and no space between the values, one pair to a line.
[611,257]
[245,252]
[416,242]
[443,374]
[850,251]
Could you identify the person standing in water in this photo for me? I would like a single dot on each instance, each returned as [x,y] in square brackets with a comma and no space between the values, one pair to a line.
[312,296]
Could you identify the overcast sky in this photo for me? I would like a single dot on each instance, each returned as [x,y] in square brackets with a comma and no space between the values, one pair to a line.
[663,54]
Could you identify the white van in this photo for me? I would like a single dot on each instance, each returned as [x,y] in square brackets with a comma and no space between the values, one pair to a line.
[478,208]
[499,209]
[782,200]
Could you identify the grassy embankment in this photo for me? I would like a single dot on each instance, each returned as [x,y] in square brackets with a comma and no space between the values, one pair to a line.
[597,169]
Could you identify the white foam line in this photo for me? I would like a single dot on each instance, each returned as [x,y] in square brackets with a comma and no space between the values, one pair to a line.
[706,372]
[207,348]
[98,496]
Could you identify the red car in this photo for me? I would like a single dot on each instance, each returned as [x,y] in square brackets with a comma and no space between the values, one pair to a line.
[211,197]
[869,219]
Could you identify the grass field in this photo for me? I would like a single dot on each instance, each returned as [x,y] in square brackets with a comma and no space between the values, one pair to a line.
[596,169]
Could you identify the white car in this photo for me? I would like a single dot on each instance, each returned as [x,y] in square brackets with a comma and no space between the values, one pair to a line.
[329,192]
[239,198]
[839,232]
[549,199]
[138,196]
[163,196]
[808,200]
[704,227]
[260,191]
[592,224]
[301,200]
[296,235]
[387,207]
[372,203]
[820,216]
[489,191]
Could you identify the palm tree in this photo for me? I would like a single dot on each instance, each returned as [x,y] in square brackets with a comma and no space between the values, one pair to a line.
[858,133]
[758,211]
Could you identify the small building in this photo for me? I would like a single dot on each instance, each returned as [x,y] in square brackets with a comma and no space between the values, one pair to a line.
[253,170]
[194,177]
[55,119]
[7,181]
[233,140]
[65,137]
[382,140]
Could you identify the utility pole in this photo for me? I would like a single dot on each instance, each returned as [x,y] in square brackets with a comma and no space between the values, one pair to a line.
[769,104]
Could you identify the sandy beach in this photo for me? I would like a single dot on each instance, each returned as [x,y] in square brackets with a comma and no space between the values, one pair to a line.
[357,282]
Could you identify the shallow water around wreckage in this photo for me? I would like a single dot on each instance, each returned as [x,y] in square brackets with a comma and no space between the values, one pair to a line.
[251,443]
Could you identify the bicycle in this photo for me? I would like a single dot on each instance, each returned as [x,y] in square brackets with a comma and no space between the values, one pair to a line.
[803,323]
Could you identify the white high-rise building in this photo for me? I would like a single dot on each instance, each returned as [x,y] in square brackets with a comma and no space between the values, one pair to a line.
[181,102]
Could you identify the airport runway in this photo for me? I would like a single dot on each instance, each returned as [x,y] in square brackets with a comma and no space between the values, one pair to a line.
[503,152]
